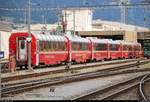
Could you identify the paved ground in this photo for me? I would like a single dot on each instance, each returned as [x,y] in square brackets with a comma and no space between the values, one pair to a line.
[61,92]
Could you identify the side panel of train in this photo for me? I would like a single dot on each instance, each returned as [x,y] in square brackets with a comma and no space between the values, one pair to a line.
[81,51]
[53,52]
[128,51]
[51,49]
[115,51]
[100,51]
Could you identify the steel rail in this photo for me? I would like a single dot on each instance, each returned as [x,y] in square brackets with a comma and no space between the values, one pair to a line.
[99,70]
[104,91]
[66,79]
[141,86]
[74,67]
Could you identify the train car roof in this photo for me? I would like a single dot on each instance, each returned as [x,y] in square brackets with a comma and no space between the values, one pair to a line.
[96,40]
[48,37]
[125,42]
[110,41]
[129,43]
[76,38]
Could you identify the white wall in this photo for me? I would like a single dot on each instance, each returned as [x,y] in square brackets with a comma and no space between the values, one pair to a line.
[83,19]
[4,43]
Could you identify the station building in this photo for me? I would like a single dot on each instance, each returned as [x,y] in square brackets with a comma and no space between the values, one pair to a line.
[5,32]
[81,20]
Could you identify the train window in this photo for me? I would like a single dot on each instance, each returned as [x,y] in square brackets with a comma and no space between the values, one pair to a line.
[44,45]
[85,46]
[95,45]
[74,46]
[125,47]
[113,47]
[130,48]
[47,45]
[52,46]
[82,46]
[137,48]
[58,46]
[78,46]
[41,44]
[62,44]
[22,44]
[100,47]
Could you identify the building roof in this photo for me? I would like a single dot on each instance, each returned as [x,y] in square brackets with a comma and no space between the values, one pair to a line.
[121,26]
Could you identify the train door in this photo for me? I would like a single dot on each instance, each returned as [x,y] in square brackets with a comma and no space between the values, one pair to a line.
[37,52]
[22,49]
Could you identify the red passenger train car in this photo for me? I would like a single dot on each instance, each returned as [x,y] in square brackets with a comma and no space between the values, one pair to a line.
[127,50]
[45,48]
[137,50]
[99,49]
[80,49]
[115,49]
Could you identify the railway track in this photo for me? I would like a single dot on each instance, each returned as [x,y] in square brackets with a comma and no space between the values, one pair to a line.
[29,85]
[141,88]
[4,64]
[84,65]
[112,91]
[73,67]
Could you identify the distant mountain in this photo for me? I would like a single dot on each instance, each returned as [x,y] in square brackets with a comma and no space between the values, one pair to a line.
[135,15]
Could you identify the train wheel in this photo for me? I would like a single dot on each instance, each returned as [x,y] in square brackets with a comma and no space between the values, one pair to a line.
[21,67]
[26,66]
[94,60]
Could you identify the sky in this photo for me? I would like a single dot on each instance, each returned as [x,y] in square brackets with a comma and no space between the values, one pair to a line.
[134,16]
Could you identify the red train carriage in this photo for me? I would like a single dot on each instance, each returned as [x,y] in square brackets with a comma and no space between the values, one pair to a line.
[137,49]
[99,49]
[45,48]
[127,49]
[80,48]
[141,52]
[115,49]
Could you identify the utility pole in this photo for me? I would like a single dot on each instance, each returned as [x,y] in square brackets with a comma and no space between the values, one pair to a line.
[43,21]
[25,16]
[123,4]
[74,21]
[0,42]
[145,16]
[29,36]
[0,69]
